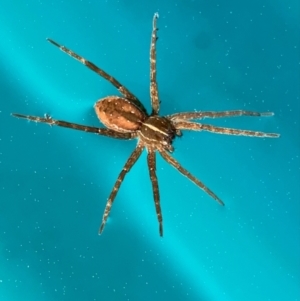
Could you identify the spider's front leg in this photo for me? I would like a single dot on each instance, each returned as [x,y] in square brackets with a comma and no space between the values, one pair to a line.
[194,126]
[211,114]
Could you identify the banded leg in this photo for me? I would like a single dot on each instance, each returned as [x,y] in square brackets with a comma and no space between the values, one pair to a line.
[152,171]
[130,162]
[123,90]
[100,131]
[189,125]
[186,173]
[211,114]
[153,82]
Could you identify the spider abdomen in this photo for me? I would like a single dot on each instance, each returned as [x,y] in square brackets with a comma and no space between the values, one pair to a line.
[119,114]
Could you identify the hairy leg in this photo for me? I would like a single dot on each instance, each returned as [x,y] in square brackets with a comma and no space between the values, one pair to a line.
[153,82]
[186,173]
[212,114]
[123,90]
[189,125]
[130,162]
[152,171]
[100,131]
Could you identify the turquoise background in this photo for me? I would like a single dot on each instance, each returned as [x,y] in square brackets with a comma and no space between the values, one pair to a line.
[212,55]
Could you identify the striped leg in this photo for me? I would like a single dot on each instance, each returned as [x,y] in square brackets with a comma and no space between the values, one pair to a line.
[153,83]
[130,162]
[152,171]
[100,131]
[189,125]
[211,114]
[186,173]
[123,90]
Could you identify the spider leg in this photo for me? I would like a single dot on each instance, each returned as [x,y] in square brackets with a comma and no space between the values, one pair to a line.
[189,125]
[153,83]
[152,168]
[100,131]
[129,163]
[211,114]
[186,173]
[123,90]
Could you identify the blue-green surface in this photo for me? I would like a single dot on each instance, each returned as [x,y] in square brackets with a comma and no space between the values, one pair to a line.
[54,182]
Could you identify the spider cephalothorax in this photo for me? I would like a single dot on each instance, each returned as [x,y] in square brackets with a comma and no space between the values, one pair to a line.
[126,118]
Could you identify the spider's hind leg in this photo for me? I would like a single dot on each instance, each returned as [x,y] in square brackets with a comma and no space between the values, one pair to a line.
[123,90]
[74,126]
[130,162]
[152,170]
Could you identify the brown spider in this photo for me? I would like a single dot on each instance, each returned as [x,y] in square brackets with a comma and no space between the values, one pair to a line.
[126,118]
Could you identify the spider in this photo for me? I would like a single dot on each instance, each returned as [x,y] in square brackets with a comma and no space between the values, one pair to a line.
[126,118]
